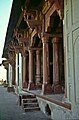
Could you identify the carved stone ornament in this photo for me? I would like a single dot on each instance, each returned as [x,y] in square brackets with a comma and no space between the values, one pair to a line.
[59,4]
[5,63]
[45,37]
[46,6]
[31,22]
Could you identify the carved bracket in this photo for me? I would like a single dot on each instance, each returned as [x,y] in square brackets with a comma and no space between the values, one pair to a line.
[31,22]
[5,63]
[11,57]
[45,37]
[34,24]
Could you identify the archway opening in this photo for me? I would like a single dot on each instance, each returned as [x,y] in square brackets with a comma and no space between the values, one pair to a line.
[48,111]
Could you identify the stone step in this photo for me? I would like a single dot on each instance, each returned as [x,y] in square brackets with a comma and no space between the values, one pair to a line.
[28,96]
[27,105]
[29,100]
[31,109]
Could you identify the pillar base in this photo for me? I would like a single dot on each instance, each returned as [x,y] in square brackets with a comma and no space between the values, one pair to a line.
[38,86]
[10,89]
[57,88]
[25,84]
[31,86]
[65,100]
[46,89]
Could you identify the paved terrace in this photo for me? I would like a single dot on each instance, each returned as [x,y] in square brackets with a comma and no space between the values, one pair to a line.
[10,109]
[54,98]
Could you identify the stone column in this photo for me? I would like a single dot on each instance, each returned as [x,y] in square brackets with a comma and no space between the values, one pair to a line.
[38,69]
[56,83]
[24,71]
[13,74]
[20,72]
[7,76]
[10,87]
[46,87]
[10,75]
[7,70]
[31,83]
[17,70]
[65,90]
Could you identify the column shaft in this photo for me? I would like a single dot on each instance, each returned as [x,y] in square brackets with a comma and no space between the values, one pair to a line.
[38,69]
[13,74]
[46,87]
[31,83]
[7,75]
[56,82]
[24,72]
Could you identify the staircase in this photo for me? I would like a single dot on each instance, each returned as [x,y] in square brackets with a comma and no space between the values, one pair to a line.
[29,103]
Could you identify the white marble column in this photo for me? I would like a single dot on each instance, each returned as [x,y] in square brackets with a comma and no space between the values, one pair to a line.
[20,72]
[10,75]
[24,71]
[10,87]
[17,69]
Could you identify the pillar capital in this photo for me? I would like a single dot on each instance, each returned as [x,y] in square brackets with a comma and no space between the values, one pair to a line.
[55,40]
[24,54]
[45,37]
[37,52]
[16,51]
[5,64]
[31,51]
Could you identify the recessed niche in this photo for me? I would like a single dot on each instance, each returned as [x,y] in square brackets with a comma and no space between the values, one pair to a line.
[47,110]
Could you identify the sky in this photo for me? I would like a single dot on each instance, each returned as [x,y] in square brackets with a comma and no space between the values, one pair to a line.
[5,9]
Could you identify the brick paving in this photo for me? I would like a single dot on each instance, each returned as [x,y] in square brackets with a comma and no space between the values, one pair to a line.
[10,109]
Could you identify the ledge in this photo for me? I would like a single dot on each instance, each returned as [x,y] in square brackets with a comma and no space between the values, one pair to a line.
[58,102]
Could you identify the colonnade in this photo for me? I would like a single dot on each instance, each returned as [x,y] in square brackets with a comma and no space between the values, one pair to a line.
[44,84]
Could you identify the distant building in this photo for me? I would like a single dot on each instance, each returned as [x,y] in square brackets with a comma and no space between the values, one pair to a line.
[2,73]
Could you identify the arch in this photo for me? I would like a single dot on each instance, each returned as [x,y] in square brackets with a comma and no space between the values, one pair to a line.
[54,21]
[48,110]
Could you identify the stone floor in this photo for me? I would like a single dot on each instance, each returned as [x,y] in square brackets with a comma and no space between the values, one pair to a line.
[10,109]
[58,97]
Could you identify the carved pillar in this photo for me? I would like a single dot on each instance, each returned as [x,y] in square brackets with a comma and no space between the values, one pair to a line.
[27,69]
[31,83]
[13,74]
[13,70]
[17,69]
[65,89]
[7,76]
[61,65]
[56,82]
[7,68]
[24,71]
[10,75]
[20,72]
[11,56]
[38,69]
[46,87]
[10,85]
